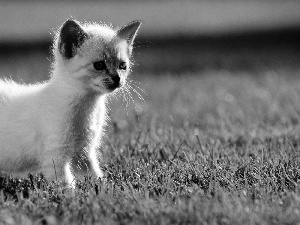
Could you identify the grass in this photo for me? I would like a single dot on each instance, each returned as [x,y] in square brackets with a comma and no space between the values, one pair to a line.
[209,148]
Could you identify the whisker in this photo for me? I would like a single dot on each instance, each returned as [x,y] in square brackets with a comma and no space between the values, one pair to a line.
[131,97]
[138,94]
[129,94]
[136,89]
[134,83]
[125,98]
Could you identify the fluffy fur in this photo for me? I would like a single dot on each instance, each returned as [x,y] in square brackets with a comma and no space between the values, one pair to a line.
[59,123]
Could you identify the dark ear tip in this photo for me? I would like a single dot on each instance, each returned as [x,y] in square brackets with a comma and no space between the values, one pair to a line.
[137,22]
[70,22]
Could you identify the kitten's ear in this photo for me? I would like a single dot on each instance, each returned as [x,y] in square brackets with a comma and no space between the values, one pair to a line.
[71,37]
[129,31]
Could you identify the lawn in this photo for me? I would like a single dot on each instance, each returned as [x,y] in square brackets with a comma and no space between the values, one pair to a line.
[213,147]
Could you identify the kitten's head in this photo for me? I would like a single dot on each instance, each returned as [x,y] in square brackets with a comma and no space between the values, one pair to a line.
[95,56]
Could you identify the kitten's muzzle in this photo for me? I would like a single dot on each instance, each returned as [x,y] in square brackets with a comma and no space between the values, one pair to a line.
[112,82]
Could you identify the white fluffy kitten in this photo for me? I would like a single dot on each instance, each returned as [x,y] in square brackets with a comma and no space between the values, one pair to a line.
[60,122]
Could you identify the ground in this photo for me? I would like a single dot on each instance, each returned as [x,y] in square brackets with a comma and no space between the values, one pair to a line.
[213,147]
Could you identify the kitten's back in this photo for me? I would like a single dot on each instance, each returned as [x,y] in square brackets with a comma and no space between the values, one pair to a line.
[10,89]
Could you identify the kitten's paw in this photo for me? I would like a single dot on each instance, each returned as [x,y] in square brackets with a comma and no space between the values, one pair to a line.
[98,172]
[70,178]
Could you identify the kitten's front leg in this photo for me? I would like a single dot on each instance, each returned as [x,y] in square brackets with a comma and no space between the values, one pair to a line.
[53,169]
[93,157]
[54,162]
[85,163]
[70,178]
[54,157]
[59,170]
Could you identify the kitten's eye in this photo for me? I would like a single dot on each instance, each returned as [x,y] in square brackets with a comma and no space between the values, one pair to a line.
[99,65]
[122,66]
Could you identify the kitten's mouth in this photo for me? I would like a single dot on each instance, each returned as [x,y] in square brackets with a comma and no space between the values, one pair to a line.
[112,83]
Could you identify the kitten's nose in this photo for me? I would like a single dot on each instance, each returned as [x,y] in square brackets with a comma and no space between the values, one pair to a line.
[116,79]
[115,82]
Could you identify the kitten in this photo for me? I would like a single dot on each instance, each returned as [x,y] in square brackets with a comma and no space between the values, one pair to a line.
[56,127]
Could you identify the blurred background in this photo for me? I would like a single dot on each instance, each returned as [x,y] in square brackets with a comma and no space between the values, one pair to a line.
[176,36]
[197,62]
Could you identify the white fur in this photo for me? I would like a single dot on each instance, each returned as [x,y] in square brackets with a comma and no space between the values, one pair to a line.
[42,126]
